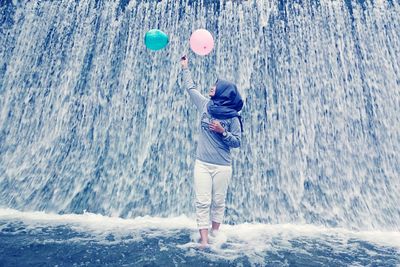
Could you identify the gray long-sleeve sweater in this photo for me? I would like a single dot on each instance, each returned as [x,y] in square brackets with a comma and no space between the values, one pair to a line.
[212,147]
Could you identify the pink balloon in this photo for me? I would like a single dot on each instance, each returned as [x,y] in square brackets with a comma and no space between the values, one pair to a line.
[201,42]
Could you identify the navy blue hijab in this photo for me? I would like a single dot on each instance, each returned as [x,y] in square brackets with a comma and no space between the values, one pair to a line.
[226,103]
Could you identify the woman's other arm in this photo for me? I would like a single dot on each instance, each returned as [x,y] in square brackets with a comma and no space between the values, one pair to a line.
[232,137]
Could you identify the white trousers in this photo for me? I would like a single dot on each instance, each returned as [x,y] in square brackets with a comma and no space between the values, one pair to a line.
[210,184]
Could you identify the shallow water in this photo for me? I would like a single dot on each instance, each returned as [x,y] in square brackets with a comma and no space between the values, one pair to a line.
[37,239]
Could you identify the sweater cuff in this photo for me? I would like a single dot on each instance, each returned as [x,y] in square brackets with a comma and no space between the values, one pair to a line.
[228,134]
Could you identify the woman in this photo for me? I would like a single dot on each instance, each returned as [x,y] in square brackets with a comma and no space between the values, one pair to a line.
[220,130]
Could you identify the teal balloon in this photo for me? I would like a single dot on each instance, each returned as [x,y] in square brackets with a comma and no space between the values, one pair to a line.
[156,39]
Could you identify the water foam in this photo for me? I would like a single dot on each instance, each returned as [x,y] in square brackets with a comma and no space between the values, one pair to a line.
[254,236]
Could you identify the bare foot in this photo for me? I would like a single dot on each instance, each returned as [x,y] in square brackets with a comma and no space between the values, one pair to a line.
[203,237]
[204,245]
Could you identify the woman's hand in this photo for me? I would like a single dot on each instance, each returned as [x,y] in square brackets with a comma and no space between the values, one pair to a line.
[216,127]
[184,62]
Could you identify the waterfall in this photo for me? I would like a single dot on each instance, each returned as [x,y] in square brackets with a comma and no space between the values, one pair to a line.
[90,120]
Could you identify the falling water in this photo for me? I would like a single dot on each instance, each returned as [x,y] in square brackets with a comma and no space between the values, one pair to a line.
[90,120]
